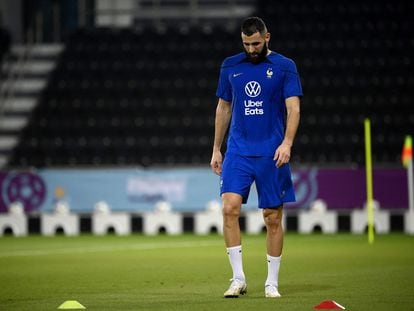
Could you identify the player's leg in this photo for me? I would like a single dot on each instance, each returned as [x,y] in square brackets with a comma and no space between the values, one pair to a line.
[236,179]
[274,236]
[232,237]
[274,243]
[274,187]
[231,212]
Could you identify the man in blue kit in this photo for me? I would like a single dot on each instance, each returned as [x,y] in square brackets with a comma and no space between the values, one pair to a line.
[259,96]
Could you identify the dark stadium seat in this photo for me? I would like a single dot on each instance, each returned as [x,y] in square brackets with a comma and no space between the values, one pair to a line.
[5,41]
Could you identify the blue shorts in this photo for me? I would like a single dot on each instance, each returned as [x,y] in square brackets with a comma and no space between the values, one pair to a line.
[274,185]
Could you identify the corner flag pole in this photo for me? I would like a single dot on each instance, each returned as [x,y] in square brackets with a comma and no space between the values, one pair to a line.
[410,186]
[407,160]
[368,172]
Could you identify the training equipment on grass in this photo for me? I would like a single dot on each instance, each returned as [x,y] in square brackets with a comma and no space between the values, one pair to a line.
[368,169]
[71,304]
[329,305]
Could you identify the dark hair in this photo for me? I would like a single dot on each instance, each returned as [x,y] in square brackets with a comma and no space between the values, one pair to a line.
[252,25]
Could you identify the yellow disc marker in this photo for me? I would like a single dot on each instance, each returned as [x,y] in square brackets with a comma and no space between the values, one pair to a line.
[71,304]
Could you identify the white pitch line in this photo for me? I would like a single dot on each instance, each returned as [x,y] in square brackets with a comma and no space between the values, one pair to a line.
[92,249]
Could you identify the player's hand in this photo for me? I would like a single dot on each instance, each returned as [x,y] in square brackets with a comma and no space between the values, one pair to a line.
[216,162]
[282,154]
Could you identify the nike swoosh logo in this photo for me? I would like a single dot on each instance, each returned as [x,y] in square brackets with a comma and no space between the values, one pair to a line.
[237,74]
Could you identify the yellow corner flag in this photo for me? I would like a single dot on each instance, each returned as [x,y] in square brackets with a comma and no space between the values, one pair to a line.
[407,152]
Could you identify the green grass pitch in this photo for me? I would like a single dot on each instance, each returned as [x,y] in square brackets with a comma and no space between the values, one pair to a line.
[191,272]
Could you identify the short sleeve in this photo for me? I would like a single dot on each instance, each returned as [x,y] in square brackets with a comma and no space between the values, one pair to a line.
[292,85]
[224,90]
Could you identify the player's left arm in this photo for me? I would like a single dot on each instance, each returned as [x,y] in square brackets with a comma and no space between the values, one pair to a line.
[282,153]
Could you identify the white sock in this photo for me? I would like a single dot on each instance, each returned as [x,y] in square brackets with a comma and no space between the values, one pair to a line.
[235,258]
[273,265]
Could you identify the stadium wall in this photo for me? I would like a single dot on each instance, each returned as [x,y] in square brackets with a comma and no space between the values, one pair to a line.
[174,201]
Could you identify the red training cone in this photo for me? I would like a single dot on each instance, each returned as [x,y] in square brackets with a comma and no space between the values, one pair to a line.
[329,305]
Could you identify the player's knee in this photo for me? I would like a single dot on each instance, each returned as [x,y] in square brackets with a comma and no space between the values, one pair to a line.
[231,210]
[273,220]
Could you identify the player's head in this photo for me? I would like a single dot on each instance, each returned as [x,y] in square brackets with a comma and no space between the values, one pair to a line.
[255,38]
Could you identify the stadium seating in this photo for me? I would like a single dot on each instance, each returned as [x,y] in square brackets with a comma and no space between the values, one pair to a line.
[5,41]
[354,60]
[146,95]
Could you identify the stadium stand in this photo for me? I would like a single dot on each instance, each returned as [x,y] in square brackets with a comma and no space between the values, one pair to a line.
[354,58]
[146,95]
[5,41]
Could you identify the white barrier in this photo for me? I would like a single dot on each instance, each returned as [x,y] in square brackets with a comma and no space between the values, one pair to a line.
[14,220]
[409,222]
[162,218]
[104,221]
[308,221]
[165,220]
[60,219]
[254,221]
[116,222]
[359,221]
[206,221]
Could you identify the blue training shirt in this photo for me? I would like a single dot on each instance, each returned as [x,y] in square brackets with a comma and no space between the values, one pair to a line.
[257,93]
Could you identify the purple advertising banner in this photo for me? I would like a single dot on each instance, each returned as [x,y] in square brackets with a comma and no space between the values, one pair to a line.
[189,189]
[346,188]
[25,187]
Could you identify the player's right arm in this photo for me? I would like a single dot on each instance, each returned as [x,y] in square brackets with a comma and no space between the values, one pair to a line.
[223,115]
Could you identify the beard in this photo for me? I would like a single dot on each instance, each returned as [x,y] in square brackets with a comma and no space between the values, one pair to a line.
[256,58]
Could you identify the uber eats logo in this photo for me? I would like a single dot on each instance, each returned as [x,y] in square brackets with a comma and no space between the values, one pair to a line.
[253,107]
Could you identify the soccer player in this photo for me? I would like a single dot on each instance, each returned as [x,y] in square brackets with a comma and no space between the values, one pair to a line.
[259,96]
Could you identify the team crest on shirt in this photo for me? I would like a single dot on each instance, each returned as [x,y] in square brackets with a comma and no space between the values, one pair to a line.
[269,73]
